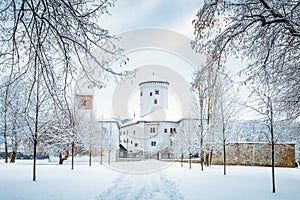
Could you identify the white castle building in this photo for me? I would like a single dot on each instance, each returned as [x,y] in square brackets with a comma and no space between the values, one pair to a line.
[152,133]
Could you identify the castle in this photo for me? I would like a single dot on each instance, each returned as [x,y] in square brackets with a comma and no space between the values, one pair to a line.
[153,131]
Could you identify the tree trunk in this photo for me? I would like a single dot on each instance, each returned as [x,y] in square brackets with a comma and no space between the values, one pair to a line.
[5,135]
[35,135]
[224,146]
[73,149]
[201,154]
[272,144]
[5,124]
[181,159]
[206,159]
[5,146]
[34,159]
[190,160]
[224,156]
[273,151]
[13,156]
[101,154]
[90,160]
[15,144]
[273,168]
[210,157]
[36,123]
[63,158]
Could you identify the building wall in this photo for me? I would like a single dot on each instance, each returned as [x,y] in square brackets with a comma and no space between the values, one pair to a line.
[150,137]
[132,137]
[159,138]
[257,154]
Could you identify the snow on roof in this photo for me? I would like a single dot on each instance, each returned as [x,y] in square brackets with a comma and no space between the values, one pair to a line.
[162,115]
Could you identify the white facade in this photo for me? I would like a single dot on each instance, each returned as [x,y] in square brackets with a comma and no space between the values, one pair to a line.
[158,135]
[147,136]
[153,96]
[132,137]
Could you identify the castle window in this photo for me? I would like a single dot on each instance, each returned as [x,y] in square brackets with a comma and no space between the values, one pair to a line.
[136,144]
[153,143]
[83,102]
[172,130]
[152,130]
[166,130]
[150,93]
[133,132]
[141,93]
[155,101]
[157,92]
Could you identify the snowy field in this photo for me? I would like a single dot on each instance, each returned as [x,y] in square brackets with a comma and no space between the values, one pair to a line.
[144,180]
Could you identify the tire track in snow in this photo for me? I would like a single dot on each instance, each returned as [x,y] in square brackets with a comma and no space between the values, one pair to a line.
[141,187]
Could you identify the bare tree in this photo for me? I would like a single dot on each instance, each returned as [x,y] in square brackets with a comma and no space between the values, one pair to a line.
[263,32]
[11,106]
[36,113]
[90,133]
[267,105]
[205,82]
[4,110]
[226,107]
[185,141]
[62,138]
[48,43]
[200,84]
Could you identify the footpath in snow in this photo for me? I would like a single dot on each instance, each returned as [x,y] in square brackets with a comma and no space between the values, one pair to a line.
[136,187]
[141,180]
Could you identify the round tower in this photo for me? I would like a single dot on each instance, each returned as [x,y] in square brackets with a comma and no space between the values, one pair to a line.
[153,96]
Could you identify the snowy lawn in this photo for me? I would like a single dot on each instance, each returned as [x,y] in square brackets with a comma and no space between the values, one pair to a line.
[158,180]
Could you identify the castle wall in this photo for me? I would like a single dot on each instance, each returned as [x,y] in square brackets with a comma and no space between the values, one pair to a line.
[256,154]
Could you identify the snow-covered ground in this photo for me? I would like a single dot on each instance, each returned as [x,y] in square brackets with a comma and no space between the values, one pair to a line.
[158,180]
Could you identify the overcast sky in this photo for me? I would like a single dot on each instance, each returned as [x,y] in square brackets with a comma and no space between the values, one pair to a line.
[176,15]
